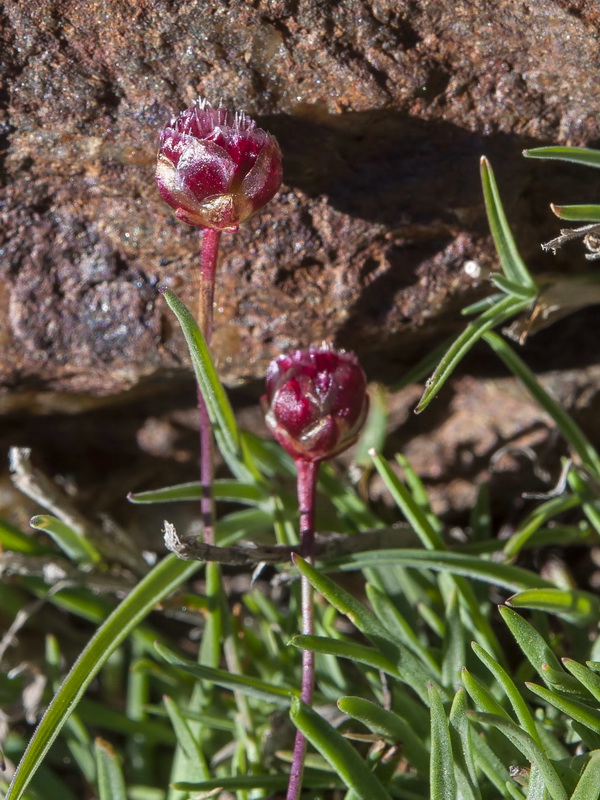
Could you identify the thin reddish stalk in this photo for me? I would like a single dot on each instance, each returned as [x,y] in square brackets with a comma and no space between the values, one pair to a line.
[307,484]
[208,267]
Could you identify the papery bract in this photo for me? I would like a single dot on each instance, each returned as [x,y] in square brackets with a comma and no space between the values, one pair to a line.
[316,402]
[216,168]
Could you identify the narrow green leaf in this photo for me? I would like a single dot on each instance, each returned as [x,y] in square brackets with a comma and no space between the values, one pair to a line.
[154,587]
[511,262]
[581,712]
[479,306]
[538,517]
[399,628]
[585,676]
[481,695]
[462,746]
[567,426]
[270,783]
[588,786]
[335,749]
[510,690]
[219,408]
[579,607]
[583,213]
[389,725]
[236,491]
[422,368]
[351,650]
[70,542]
[511,287]
[197,768]
[111,784]
[530,749]
[239,683]
[414,514]
[576,155]
[512,578]
[561,680]
[587,495]
[532,643]
[345,603]
[453,646]
[441,771]
[504,309]
[420,496]
[408,667]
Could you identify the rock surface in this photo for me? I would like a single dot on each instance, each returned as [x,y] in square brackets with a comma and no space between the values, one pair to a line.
[382,110]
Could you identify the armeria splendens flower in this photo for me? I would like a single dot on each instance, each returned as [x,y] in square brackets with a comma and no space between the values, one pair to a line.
[316,402]
[216,168]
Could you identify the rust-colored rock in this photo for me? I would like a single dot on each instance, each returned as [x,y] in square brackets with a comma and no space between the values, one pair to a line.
[381,109]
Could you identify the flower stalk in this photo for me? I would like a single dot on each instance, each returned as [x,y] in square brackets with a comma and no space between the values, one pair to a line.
[315,405]
[208,267]
[215,169]
[306,486]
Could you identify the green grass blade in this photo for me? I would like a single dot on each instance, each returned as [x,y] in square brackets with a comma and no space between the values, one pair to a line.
[111,784]
[70,542]
[441,772]
[235,491]
[268,783]
[161,581]
[500,281]
[461,734]
[408,666]
[217,403]
[481,695]
[399,628]
[238,683]
[196,768]
[479,306]
[585,213]
[389,725]
[588,786]
[496,315]
[415,515]
[538,517]
[530,749]
[512,578]
[514,696]
[585,676]
[351,650]
[580,712]
[419,494]
[576,155]
[335,749]
[577,607]
[532,643]
[511,262]
[567,426]
[453,646]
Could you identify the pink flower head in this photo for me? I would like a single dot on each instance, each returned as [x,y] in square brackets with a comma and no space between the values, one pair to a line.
[316,402]
[216,168]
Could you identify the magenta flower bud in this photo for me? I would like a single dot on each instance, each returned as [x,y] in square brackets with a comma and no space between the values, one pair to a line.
[216,168]
[316,402]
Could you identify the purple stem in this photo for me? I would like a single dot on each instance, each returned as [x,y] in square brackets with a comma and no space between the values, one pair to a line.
[307,484]
[208,267]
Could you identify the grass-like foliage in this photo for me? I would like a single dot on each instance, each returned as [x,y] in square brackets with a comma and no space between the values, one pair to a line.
[425,690]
